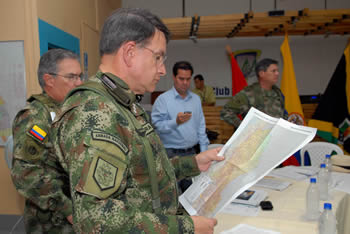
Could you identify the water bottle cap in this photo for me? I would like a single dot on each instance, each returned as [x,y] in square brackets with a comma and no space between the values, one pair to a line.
[328,156]
[327,206]
[323,165]
[312,180]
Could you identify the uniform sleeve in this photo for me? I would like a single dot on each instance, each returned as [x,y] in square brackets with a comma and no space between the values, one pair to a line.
[238,105]
[160,117]
[100,178]
[36,181]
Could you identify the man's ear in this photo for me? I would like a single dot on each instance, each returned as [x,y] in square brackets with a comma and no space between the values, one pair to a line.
[129,50]
[261,73]
[49,80]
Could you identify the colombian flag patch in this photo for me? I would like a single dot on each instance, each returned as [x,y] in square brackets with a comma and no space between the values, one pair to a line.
[38,133]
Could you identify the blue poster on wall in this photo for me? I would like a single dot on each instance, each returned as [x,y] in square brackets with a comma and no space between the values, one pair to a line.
[52,37]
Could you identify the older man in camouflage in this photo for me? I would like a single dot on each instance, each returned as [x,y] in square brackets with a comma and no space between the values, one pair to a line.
[120,176]
[264,95]
[48,207]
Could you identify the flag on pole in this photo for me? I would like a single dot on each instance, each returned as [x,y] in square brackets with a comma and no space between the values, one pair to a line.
[289,86]
[332,116]
[291,95]
[238,80]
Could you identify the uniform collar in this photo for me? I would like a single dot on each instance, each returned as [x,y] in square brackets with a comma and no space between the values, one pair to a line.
[123,87]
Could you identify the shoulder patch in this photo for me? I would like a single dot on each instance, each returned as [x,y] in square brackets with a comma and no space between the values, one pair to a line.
[103,136]
[32,151]
[105,174]
[37,133]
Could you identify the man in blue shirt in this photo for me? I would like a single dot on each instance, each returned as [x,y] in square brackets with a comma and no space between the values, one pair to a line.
[178,116]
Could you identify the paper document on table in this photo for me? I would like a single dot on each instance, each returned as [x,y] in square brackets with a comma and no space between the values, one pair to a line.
[274,184]
[251,197]
[341,181]
[241,210]
[257,146]
[244,229]
[295,173]
[287,172]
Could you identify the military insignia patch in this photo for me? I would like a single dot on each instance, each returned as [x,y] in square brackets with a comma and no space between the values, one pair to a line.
[32,151]
[103,136]
[37,133]
[148,128]
[105,174]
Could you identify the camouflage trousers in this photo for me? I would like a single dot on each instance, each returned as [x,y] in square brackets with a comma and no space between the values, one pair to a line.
[38,221]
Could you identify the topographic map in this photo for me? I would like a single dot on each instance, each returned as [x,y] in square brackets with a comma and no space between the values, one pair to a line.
[258,145]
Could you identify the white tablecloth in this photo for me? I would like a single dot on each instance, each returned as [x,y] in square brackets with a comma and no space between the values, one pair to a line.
[288,213]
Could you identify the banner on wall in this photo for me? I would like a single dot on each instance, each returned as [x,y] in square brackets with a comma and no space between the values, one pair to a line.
[246,61]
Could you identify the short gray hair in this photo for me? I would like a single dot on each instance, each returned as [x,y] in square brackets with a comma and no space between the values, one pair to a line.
[263,64]
[50,59]
[129,24]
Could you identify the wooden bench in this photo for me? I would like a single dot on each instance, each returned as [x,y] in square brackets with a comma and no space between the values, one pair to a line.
[214,123]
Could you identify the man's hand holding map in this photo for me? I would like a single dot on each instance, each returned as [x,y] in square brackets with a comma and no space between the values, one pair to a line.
[259,144]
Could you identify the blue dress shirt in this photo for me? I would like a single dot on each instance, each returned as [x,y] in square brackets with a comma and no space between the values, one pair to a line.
[186,135]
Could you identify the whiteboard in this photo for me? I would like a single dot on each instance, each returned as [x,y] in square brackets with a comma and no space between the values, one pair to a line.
[12,85]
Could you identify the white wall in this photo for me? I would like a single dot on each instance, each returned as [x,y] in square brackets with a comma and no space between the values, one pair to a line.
[314,57]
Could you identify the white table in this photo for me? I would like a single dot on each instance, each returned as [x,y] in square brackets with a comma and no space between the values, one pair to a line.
[288,212]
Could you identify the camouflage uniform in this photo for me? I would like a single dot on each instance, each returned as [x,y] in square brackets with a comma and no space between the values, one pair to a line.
[47,200]
[207,95]
[270,102]
[107,145]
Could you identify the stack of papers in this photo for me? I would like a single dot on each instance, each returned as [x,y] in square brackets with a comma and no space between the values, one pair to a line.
[246,204]
[341,181]
[251,197]
[241,210]
[273,184]
[295,173]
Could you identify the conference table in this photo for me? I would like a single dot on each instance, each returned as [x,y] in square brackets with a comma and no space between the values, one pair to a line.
[288,214]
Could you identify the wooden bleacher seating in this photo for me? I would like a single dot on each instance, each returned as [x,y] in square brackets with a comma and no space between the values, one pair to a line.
[214,123]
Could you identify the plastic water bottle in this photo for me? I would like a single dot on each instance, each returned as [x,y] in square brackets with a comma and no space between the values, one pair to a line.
[312,201]
[323,177]
[328,163]
[327,223]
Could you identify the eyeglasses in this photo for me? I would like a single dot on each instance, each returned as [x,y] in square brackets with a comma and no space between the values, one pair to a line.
[160,58]
[70,76]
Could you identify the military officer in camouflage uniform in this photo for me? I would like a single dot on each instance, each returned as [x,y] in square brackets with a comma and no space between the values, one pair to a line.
[264,95]
[120,176]
[48,206]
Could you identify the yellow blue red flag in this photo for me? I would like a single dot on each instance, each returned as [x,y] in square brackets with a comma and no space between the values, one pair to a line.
[37,132]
